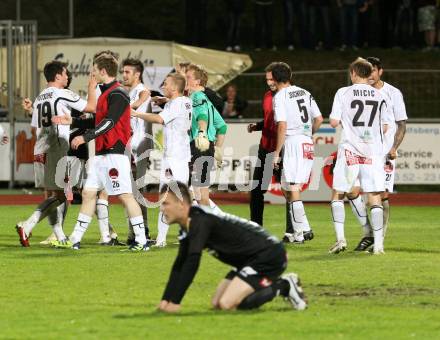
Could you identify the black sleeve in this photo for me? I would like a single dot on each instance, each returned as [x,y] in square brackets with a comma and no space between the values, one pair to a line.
[175,270]
[187,263]
[189,270]
[215,99]
[259,126]
[117,103]
[78,123]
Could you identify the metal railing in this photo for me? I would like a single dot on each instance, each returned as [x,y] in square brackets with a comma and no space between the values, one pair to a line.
[18,72]
[420,88]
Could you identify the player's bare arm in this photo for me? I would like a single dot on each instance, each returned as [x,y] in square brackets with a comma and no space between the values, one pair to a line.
[26,104]
[317,123]
[398,138]
[334,122]
[148,117]
[91,94]
[281,137]
[143,97]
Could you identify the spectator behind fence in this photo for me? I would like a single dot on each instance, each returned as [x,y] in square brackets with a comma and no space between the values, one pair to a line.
[234,106]
[349,16]
[299,9]
[387,10]
[426,20]
[263,23]
[196,12]
[403,33]
[364,23]
[319,22]
[234,10]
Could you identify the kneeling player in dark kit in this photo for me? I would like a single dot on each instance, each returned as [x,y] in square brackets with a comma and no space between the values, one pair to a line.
[257,257]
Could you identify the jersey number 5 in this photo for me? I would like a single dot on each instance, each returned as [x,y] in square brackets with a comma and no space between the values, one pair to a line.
[44,114]
[360,109]
[303,109]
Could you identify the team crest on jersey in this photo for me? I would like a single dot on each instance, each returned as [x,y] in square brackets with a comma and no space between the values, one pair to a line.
[168,173]
[113,173]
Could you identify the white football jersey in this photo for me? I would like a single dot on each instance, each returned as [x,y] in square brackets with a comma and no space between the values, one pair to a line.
[51,102]
[297,108]
[398,110]
[362,111]
[176,117]
[138,126]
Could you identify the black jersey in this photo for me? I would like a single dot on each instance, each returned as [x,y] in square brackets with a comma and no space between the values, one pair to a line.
[229,238]
[83,151]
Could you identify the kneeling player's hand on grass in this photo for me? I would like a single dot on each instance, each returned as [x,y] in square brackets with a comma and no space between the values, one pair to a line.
[218,155]
[202,142]
[170,307]
[62,120]
[76,142]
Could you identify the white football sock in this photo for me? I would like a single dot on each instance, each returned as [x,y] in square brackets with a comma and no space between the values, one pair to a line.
[386,215]
[377,225]
[360,212]
[338,214]
[59,215]
[162,228]
[102,214]
[297,214]
[82,223]
[31,222]
[306,225]
[137,223]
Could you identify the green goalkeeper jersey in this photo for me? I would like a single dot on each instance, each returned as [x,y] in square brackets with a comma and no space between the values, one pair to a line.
[203,109]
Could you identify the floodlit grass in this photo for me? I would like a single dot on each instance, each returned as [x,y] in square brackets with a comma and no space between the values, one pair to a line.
[100,292]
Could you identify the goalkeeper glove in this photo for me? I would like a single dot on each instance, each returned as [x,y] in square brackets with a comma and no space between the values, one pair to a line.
[202,142]
[218,155]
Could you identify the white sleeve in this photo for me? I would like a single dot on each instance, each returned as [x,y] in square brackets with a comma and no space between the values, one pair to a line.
[34,121]
[336,108]
[74,101]
[279,108]
[2,131]
[399,109]
[168,113]
[386,112]
[314,108]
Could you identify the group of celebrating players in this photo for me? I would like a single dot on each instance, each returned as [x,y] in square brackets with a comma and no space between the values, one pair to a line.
[114,116]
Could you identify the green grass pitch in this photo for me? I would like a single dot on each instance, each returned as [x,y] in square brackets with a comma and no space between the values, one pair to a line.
[102,293]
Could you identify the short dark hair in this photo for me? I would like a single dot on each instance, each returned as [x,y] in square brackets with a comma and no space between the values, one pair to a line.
[178,80]
[136,64]
[69,78]
[375,62]
[52,68]
[177,189]
[361,67]
[281,72]
[108,63]
[106,52]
